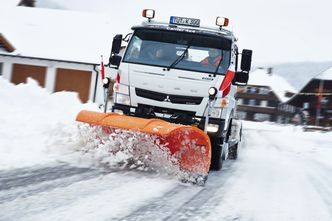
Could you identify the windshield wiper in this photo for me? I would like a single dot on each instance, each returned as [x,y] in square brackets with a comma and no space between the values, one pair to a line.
[222,57]
[180,58]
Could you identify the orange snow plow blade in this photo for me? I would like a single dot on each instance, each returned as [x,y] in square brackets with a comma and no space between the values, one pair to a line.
[190,145]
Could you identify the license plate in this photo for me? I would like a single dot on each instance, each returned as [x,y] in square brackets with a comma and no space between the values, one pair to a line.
[185,21]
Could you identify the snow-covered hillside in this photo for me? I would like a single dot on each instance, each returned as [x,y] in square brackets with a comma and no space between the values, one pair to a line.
[282,172]
[299,74]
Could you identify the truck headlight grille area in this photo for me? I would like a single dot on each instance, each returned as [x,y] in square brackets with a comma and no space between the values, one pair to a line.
[212,128]
[122,99]
[175,99]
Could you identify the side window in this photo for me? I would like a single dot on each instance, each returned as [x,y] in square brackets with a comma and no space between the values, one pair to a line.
[135,49]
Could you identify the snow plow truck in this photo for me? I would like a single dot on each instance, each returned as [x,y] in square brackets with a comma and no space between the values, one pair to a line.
[176,82]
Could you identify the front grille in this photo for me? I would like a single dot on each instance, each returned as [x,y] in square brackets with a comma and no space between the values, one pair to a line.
[164,110]
[175,99]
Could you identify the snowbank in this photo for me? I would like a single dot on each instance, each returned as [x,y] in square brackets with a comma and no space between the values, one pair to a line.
[28,117]
[39,128]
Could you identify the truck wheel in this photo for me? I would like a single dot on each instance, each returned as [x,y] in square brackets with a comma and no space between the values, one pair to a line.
[233,152]
[216,153]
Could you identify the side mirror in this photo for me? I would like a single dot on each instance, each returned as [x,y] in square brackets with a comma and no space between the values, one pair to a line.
[246,60]
[116,45]
[115,60]
[241,78]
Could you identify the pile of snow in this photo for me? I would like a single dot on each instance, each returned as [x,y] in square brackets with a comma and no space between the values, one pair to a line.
[277,83]
[39,127]
[28,115]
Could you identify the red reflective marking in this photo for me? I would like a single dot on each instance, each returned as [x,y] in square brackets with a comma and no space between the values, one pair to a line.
[226,83]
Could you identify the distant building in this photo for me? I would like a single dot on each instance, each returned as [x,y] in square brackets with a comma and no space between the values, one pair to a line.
[316,99]
[263,99]
[27,3]
[60,56]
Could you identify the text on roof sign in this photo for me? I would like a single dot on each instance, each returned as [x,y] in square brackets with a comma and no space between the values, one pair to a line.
[185,21]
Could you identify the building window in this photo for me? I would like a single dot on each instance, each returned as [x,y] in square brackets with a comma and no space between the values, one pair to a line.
[263,103]
[263,90]
[306,105]
[253,90]
[272,104]
[252,102]
[1,64]
[241,115]
[262,117]
[245,101]
[325,100]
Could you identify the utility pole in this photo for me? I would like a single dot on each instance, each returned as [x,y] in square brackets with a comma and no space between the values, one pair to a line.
[319,101]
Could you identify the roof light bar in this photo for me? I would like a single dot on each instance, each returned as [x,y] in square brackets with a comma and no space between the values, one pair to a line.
[148,13]
[222,22]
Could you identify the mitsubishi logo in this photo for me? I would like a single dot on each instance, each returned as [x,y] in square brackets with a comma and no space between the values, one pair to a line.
[167,99]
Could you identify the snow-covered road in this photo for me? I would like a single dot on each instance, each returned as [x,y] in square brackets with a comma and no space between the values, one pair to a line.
[273,179]
[282,173]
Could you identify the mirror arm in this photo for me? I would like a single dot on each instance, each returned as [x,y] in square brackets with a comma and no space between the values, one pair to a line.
[109,60]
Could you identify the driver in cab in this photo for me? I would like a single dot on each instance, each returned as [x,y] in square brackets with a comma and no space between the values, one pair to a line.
[214,58]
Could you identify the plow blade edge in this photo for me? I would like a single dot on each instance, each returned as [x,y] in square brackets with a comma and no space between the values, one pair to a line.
[189,145]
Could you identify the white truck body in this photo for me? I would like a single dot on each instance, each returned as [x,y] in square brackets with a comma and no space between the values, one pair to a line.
[175,87]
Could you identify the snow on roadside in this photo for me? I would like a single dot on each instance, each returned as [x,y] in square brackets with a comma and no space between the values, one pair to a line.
[38,127]
[294,139]
[28,114]
[281,172]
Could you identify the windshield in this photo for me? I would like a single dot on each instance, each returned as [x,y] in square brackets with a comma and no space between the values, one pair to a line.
[179,50]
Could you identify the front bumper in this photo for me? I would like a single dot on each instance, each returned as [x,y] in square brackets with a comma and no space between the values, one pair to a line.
[172,116]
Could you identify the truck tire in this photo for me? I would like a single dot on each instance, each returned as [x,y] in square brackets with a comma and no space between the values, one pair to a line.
[216,153]
[232,154]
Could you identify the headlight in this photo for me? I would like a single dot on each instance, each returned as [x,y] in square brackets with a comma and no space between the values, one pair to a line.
[122,99]
[212,128]
[215,112]
[213,91]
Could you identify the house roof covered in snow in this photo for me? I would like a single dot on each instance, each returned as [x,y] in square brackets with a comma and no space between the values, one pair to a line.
[325,75]
[58,34]
[278,84]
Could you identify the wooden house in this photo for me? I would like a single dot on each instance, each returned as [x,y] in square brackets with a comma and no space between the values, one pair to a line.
[264,98]
[316,98]
[60,49]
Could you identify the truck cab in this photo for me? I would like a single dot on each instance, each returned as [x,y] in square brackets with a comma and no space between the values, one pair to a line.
[167,71]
